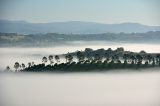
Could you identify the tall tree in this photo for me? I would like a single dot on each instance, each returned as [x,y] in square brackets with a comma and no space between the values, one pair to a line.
[33,63]
[57,58]
[139,58]
[80,56]
[50,58]
[16,66]
[149,57]
[23,66]
[66,57]
[44,60]
[110,52]
[88,53]
[70,58]
[29,64]
[133,58]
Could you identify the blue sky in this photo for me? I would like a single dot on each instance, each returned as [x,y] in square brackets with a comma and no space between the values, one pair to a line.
[103,11]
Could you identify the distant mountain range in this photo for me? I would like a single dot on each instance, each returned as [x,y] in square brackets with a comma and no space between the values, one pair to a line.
[75,27]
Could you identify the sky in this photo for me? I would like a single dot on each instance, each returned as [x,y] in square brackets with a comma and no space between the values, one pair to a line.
[102,11]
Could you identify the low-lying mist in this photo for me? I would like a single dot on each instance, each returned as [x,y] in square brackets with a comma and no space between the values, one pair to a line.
[116,88]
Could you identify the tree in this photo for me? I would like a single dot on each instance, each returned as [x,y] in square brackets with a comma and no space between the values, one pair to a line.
[23,66]
[89,57]
[16,66]
[133,58]
[158,58]
[149,57]
[142,52]
[7,68]
[57,58]
[146,63]
[153,61]
[88,53]
[66,57]
[120,49]
[125,63]
[139,58]
[33,63]
[107,56]
[70,58]
[50,58]
[80,56]
[115,57]
[126,57]
[88,50]
[44,60]
[97,57]
[109,51]
[29,64]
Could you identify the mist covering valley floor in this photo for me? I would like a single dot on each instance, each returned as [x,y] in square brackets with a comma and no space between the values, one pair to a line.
[113,88]
[120,88]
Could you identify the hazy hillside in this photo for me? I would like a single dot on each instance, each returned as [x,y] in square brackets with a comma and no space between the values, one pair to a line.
[52,39]
[75,27]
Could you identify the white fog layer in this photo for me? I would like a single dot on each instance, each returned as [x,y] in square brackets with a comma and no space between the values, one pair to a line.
[81,89]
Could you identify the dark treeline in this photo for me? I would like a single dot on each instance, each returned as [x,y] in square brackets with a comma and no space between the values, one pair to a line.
[53,39]
[90,60]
